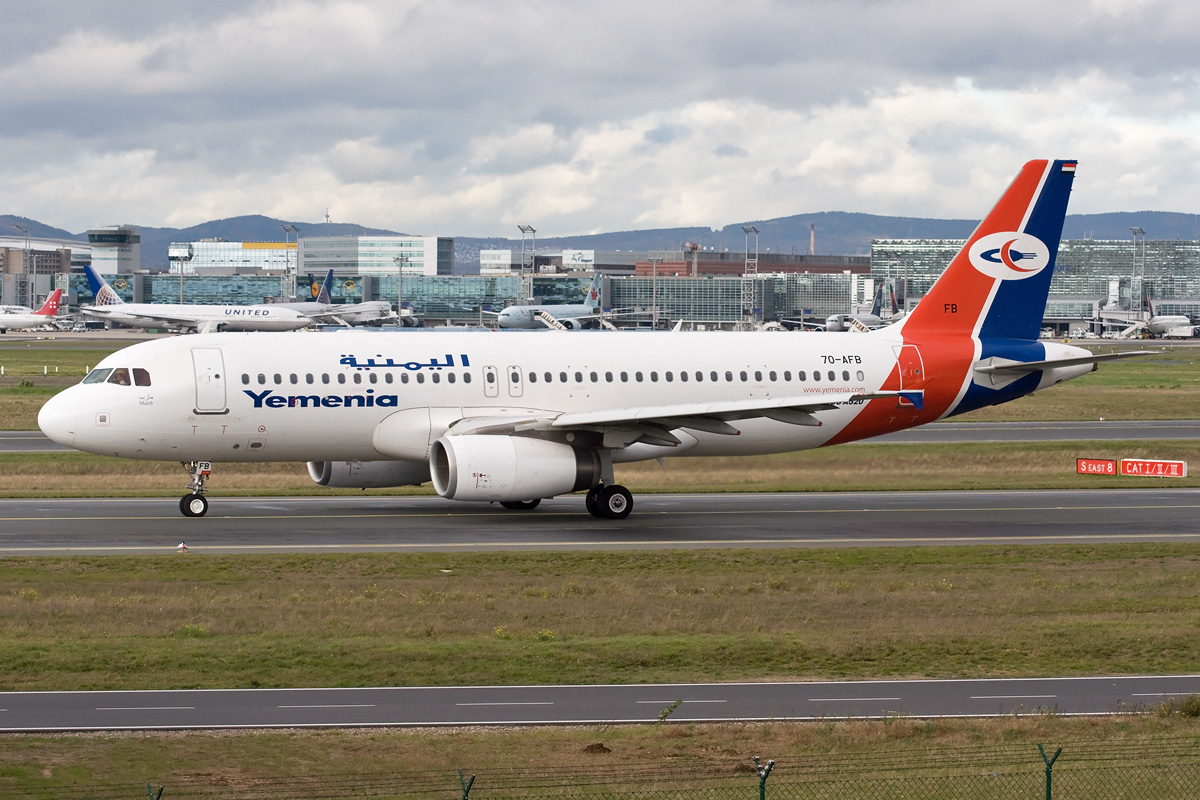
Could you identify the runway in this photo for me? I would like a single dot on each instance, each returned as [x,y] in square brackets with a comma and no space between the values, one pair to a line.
[414,524]
[580,705]
[938,432]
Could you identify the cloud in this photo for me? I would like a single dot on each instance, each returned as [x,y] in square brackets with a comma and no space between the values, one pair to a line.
[463,117]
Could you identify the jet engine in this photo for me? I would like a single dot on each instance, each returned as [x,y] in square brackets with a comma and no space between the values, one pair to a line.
[509,468]
[368,474]
[572,324]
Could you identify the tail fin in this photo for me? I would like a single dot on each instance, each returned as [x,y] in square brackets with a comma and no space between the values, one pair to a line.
[326,289]
[104,294]
[593,295]
[997,285]
[50,307]
[877,306]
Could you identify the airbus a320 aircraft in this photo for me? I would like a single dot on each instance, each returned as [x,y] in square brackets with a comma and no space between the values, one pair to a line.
[32,319]
[516,417]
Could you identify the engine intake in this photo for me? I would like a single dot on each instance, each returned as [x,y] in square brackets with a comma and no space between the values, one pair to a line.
[509,468]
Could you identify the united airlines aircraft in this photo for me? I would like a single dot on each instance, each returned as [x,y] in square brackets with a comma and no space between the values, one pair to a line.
[517,417]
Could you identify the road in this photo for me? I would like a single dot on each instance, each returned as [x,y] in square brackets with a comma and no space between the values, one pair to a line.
[580,705]
[410,524]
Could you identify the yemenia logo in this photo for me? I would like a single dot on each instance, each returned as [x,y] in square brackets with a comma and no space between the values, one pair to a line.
[1009,256]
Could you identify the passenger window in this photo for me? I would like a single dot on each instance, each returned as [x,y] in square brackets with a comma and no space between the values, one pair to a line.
[800,376]
[374,377]
[637,376]
[358,377]
[466,377]
[436,377]
[120,376]
[549,376]
[683,376]
[608,377]
[387,377]
[816,375]
[309,378]
[341,377]
[669,376]
[324,377]
[97,376]
[624,377]
[743,376]
[533,377]
[404,377]
[728,376]
[712,376]
[594,377]
[262,378]
[861,376]
[491,377]
[787,374]
[245,378]
[449,377]
[579,377]
[832,375]
[562,377]
[140,377]
[278,379]
[294,378]
[515,377]
[421,377]
[699,375]
[758,376]
[845,374]
[653,377]
[772,376]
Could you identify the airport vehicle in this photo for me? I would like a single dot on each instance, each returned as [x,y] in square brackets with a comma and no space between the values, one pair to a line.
[517,417]
[46,315]
[322,310]
[203,318]
[564,316]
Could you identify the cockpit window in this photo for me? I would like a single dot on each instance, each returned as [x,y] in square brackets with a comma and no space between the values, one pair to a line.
[97,376]
[140,377]
[120,376]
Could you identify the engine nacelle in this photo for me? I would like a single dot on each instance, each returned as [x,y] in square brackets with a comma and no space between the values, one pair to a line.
[572,324]
[509,468]
[368,474]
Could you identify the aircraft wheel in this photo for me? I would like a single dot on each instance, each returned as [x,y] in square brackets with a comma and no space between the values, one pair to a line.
[614,502]
[193,505]
[521,505]
[591,501]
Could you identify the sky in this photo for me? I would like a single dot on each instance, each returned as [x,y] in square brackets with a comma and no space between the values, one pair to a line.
[465,118]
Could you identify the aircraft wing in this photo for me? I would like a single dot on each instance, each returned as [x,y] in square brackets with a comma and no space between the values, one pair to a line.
[123,315]
[653,424]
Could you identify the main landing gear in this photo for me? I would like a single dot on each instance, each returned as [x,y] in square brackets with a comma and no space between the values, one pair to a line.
[609,501]
[195,504]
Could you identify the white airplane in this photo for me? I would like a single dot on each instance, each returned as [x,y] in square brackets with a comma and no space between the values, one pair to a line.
[203,318]
[867,322]
[322,309]
[45,315]
[520,417]
[564,316]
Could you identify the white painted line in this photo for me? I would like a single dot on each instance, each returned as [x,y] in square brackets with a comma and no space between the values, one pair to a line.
[335,705]
[669,702]
[847,699]
[1162,694]
[504,704]
[1013,696]
[147,708]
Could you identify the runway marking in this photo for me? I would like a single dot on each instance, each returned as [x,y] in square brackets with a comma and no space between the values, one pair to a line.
[1161,694]
[1013,696]
[335,705]
[848,699]
[668,702]
[147,708]
[507,704]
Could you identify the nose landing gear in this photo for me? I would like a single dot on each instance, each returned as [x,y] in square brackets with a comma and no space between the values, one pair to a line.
[195,504]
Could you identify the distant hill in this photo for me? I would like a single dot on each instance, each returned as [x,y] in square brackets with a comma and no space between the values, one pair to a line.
[837,233]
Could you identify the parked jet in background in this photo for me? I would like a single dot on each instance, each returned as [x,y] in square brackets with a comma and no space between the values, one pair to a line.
[322,310]
[45,315]
[203,318]
[867,322]
[567,315]
[513,419]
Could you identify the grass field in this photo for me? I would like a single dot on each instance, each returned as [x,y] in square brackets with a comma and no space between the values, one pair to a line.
[200,621]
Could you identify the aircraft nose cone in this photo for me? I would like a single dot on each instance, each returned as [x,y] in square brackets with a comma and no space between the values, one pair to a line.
[58,419]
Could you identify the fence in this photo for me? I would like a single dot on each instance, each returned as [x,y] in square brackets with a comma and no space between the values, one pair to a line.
[1145,770]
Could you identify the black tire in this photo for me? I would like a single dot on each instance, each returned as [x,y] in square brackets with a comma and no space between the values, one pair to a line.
[592,502]
[614,502]
[193,505]
[521,505]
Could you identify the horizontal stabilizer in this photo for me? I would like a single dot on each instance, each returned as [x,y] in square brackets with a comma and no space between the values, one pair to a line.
[996,366]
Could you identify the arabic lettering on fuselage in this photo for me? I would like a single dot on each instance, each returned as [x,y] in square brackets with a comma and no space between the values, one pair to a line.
[379,362]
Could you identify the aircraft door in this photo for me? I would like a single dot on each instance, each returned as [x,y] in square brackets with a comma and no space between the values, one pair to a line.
[210,380]
[491,382]
[912,369]
[514,381]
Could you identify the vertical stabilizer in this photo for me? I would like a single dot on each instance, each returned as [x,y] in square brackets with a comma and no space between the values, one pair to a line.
[997,285]
[104,294]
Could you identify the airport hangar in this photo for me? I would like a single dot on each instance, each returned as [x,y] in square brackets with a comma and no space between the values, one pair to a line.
[1093,278]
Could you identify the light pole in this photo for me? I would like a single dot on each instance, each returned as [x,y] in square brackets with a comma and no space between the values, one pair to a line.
[1138,233]
[750,274]
[654,292]
[25,264]
[289,228]
[524,229]
[401,261]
